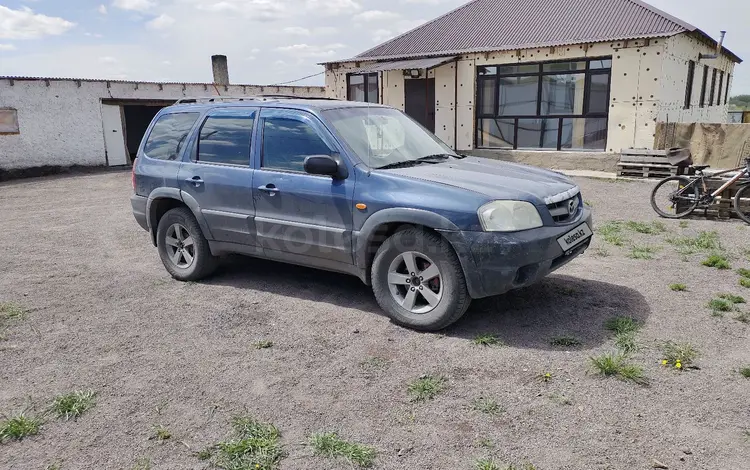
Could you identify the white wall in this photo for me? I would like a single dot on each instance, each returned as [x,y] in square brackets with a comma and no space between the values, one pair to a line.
[61,120]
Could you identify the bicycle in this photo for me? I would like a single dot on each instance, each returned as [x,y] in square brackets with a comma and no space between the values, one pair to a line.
[683,195]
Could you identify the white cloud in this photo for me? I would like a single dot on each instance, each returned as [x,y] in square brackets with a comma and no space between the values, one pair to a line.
[332,7]
[297,30]
[258,10]
[102,9]
[7,47]
[25,24]
[134,5]
[310,51]
[107,60]
[382,34]
[376,15]
[95,35]
[161,22]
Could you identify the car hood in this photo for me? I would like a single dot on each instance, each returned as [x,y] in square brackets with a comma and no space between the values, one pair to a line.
[494,178]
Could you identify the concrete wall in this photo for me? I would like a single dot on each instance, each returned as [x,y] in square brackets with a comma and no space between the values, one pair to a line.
[648,85]
[61,120]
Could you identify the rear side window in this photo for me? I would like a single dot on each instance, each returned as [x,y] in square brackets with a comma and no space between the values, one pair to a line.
[226,139]
[169,135]
[286,143]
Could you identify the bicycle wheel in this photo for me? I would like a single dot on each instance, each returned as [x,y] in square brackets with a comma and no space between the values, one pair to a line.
[672,200]
[742,203]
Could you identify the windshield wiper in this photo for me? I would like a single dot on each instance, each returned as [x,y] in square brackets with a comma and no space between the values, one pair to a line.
[402,164]
[436,158]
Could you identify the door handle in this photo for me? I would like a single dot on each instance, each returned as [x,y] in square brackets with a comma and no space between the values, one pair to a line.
[195,181]
[270,188]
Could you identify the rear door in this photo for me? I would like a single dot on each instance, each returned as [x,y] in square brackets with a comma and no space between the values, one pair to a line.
[219,176]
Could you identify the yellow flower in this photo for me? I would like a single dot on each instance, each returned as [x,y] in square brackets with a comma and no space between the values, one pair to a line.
[678,365]
[664,362]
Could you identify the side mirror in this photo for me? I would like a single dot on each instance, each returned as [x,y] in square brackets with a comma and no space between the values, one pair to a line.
[324,165]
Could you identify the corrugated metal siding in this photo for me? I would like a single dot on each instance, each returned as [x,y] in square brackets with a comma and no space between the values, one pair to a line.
[512,24]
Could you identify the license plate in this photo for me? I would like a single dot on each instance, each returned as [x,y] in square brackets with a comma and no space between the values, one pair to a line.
[574,237]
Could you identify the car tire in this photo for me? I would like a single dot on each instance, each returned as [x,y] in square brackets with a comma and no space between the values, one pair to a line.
[406,300]
[179,230]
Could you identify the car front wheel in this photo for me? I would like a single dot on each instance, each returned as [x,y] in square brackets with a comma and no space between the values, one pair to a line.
[418,281]
[182,247]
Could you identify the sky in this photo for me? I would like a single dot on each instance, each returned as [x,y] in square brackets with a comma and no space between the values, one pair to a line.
[266,41]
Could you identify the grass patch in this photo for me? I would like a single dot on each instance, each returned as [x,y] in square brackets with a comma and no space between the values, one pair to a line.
[718,261]
[603,252]
[161,433]
[565,341]
[486,406]
[620,325]
[374,363]
[74,404]
[642,252]
[330,445]
[143,463]
[704,242]
[745,372]
[611,232]
[616,365]
[205,454]
[654,228]
[735,299]
[487,340]
[745,282]
[11,310]
[683,224]
[486,464]
[744,272]
[426,387]
[19,426]
[719,306]
[679,353]
[253,445]
[743,317]
[678,287]
[626,342]
[264,344]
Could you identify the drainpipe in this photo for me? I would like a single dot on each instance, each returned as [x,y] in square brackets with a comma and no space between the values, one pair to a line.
[716,54]
[455,105]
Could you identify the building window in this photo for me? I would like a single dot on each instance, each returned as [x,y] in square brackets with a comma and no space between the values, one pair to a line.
[9,121]
[362,87]
[689,86]
[721,87]
[551,105]
[726,94]
[713,88]
[703,86]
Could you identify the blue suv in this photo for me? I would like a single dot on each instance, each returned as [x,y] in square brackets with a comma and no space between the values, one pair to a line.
[355,188]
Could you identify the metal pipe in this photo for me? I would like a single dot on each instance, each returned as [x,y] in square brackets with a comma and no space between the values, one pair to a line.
[716,54]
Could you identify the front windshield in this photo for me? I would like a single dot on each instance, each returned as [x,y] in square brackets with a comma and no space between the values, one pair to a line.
[384,136]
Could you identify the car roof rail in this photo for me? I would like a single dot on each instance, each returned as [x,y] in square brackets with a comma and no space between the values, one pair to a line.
[214,99]
[293,97]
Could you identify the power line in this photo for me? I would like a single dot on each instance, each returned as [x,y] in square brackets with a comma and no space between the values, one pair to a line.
[299,79]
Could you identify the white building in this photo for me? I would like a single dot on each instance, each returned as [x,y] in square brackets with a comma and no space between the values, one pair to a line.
[568,75]
[61,122]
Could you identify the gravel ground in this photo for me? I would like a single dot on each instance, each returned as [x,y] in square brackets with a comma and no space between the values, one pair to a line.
[104,314]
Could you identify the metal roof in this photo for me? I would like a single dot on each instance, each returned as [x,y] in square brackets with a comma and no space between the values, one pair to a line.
[404,64]
[144,82]
[493,25]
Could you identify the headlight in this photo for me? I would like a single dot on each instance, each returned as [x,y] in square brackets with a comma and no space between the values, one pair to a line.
[509,216]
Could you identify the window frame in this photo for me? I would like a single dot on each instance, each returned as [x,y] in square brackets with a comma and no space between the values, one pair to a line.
[721,87]
[540,73]
[726,94]
[712,94]
[367,77]
[254,111]
[703,86]
[689,86]
[299,115]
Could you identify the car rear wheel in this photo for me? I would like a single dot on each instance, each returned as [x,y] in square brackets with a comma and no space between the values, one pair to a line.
[182,247]
[418,281]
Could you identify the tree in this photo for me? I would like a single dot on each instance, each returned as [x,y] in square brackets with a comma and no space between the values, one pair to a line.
[740,101]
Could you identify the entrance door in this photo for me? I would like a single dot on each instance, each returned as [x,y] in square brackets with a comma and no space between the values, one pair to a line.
[114,138]
[420,101]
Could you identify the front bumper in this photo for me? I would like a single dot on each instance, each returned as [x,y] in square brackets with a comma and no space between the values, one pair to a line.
[495,262]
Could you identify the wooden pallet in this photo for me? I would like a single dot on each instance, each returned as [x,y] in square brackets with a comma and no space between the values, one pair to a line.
[643,163]
[723,206]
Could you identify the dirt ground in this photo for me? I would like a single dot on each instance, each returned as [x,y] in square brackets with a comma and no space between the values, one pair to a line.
[104,315]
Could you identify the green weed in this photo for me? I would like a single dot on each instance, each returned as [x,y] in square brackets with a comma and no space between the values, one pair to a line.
[487,340]
[704,242]
[19,426]
[720,306]
[603,252]
[642,252]
[161,433]
[74,404]
[426,387]
[330,445]
[621,324]
[735,299]
[745,282]
[611,232]
[683,224]
[743,317]
[263,344]
[745,372]
[679,353]
[254,445]
[744,272]
[143,463]
[717,261]
[486,405]
[374,363]
[654,228]
[486,464]
[565,341]
[626,342]
[616,365]
[678,287]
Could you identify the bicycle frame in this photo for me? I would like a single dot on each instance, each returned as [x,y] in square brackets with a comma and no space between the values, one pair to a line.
[741,171]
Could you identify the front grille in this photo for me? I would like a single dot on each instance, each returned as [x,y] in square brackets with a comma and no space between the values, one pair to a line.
[564,211]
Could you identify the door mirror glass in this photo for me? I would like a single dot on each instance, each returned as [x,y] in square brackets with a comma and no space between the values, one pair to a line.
[321,165]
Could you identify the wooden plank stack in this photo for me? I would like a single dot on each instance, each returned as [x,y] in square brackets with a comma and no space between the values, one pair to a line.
[643,163]
[722,208]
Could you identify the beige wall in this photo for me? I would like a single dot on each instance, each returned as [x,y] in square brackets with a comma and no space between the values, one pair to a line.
[648,86]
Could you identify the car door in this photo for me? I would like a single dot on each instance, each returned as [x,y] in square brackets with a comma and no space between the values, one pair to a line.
[219,176]
[297,213]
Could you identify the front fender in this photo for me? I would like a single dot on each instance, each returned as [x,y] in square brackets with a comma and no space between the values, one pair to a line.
[362,238]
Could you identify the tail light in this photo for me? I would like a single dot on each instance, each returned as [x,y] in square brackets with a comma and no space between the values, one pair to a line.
[132,174]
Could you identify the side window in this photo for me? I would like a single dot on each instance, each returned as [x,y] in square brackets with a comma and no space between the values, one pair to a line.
[226,139]
[168,137]
[286,143]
